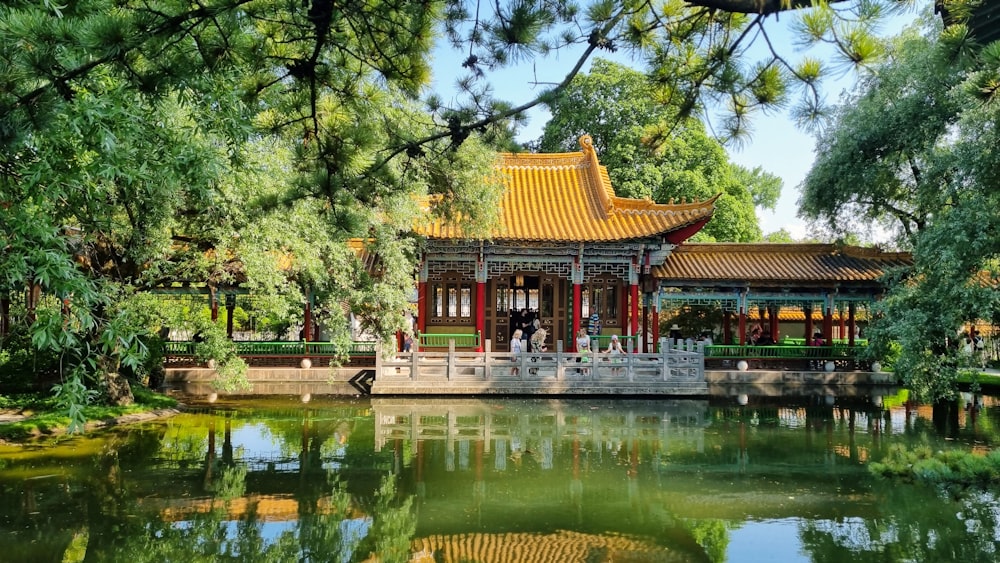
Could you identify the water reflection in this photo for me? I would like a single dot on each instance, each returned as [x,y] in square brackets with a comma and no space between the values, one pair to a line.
[728,479]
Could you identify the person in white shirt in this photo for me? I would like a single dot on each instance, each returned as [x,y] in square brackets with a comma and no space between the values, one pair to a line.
[615,353]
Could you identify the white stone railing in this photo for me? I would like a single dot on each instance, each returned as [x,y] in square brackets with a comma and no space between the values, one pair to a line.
[671,366]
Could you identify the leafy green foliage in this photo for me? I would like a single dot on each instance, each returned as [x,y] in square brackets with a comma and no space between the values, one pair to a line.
[614,104]
[913,151]
[227,143]
[882,159]
[394,523]
[72,396]
[953,467]
[152,143]
[47,413]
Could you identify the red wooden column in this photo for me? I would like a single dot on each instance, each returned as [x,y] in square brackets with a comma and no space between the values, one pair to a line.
[649,283]
[656,322]
[230,308]
[577,279]
[634,298]
[481,302]
[645,324]
[851,323]
[828,319]
[422,298]
[808,310]
[742,325]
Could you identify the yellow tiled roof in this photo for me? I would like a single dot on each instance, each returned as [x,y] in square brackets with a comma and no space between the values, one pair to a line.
[562,545]
[568,197]
[764,262]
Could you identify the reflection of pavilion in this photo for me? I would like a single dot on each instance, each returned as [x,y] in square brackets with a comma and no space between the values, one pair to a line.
[523,466]
[631,466]
[563,545]
[503,425]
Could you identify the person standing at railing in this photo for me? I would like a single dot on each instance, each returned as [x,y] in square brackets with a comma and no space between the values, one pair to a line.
[675,334]
[615,353]
[594,324]
[516,320]
[515,351]
[536,345]
[537,340]
[582,347]
[530,326]
[979,348]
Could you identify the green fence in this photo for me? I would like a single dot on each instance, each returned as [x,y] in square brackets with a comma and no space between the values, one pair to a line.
[440,340]
[737,352]
[278,349]
[787,341]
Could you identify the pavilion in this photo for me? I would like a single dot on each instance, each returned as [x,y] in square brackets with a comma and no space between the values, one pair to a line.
[567,247]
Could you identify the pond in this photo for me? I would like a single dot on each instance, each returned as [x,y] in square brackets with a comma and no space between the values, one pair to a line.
[462,480]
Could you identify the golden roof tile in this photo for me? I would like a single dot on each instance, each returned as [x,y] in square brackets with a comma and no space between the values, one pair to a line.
[567,197]
[562,545]
[776,262]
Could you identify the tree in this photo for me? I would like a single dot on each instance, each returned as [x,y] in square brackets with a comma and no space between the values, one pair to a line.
[915,147]
[781,235]
[614,104]
[881,160]
[237,142]
[130,130]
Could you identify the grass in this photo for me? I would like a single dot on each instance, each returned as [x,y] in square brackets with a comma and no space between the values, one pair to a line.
[921,465]
[982,378]
[44,416]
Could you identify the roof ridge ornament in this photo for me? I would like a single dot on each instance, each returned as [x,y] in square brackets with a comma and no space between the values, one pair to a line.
[604,194]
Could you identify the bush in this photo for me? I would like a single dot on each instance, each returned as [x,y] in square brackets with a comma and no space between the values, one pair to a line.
[952,467]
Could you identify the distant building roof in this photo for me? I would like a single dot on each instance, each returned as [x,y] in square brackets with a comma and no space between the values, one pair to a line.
[567,197]
[760,263]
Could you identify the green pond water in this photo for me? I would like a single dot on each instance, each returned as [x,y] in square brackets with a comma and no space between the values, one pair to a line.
[333,479]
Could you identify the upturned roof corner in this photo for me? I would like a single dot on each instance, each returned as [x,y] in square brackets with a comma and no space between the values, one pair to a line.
[568,197]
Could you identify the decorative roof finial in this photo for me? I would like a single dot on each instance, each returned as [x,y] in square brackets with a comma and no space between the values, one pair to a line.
[587,143]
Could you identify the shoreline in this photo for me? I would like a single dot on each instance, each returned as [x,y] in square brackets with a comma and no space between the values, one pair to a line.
[11,416]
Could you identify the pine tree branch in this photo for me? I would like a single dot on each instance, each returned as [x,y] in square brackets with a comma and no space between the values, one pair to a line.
[169,26]
[762,7]
[459,131]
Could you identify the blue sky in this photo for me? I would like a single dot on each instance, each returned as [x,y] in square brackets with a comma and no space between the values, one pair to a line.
[777,144]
